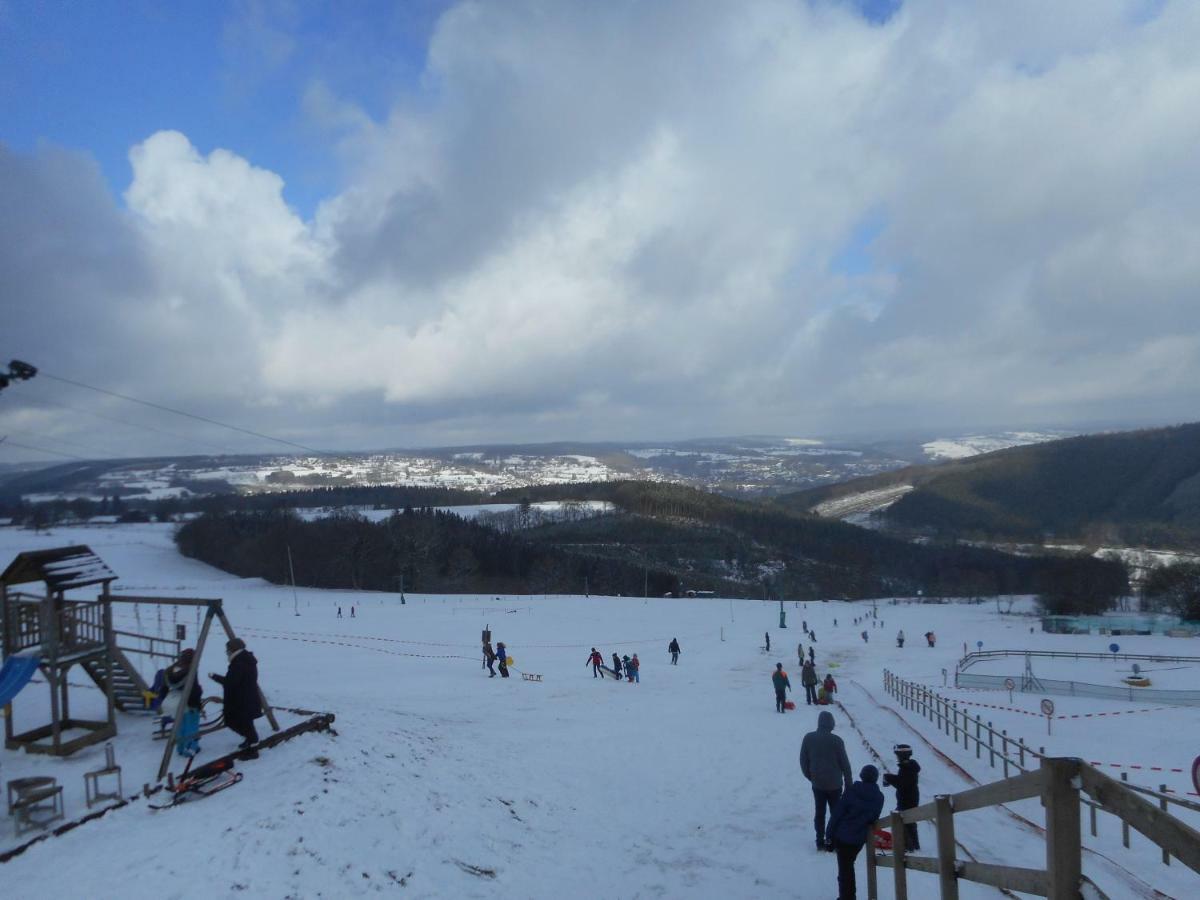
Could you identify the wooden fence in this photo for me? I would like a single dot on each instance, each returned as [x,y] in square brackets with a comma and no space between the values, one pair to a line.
[1005,752]
[1059,782]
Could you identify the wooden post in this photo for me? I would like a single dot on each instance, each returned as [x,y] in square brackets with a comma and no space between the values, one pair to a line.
[1092,812]
[1021,749]
[872,873]
[110,641]
[262,698]
[1004,749]
[978,742]
[187,692]
[1064,855]
[899,870]
[991,749]
[947,876]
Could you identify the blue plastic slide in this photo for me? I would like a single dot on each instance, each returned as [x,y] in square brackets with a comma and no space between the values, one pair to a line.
[14,675]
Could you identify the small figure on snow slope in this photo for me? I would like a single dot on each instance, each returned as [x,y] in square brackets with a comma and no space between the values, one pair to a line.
[808,678]
[597,662]
[673,649]
[782,685]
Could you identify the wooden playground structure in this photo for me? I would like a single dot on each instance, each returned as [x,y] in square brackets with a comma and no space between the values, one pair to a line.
[58,633]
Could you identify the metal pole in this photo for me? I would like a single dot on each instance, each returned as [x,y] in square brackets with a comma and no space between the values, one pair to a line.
[295,599]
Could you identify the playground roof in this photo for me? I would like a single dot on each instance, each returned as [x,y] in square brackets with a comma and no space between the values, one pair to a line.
[61,568]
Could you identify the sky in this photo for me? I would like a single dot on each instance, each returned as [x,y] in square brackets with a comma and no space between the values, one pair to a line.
[357,226]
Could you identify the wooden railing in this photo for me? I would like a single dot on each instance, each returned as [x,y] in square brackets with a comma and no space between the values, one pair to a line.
[80,626]
[1004,751]
[22,622]
[147,644]
[1059,782]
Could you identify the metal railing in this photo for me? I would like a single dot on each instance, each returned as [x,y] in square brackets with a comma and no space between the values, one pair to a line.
[979,656]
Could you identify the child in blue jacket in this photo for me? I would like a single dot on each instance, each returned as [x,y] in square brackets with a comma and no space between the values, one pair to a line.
[850,826]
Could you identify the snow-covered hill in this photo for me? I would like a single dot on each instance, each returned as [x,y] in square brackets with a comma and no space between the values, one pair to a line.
[442,782]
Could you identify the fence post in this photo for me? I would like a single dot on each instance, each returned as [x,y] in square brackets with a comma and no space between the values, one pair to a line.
[978,742]
[1004,749]
[1162,804]
[1064,856]
[872,874]
[945,848]
[991,748]
[1021,749]
[1092,813]
[966,733]
[899,870]
[1124,824]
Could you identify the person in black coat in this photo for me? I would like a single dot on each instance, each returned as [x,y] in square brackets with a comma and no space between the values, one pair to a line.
[242,700]
[673,649]
[908,794]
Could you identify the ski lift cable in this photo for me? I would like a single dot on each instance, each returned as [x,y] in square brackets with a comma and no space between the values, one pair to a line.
[5,442]
[180,412]
[41,401]
[87,448]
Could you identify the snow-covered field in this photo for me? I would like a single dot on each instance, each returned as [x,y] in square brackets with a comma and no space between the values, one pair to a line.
[443,783]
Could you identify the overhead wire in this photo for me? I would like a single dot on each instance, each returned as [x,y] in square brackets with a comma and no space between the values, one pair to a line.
[5,442]
[41,401]
[179,412]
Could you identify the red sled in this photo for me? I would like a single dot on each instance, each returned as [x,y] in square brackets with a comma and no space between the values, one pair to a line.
[788,704]
[883,839]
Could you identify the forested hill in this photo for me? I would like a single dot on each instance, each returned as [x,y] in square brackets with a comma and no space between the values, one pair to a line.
[1135,487]
[661,538]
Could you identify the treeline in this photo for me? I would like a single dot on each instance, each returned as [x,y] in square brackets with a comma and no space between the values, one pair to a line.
[132,507]
[435,552]
[664,538]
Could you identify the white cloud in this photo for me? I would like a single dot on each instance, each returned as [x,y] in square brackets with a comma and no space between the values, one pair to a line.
[622,219]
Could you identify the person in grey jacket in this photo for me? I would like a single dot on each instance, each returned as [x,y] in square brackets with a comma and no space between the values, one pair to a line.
[824,763]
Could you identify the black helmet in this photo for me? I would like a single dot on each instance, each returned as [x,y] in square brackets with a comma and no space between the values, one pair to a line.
[902,751]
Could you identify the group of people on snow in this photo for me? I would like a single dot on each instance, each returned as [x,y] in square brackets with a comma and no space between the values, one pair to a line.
[816,691]
[241,698]
[845,810]
[627,667]
[499,656]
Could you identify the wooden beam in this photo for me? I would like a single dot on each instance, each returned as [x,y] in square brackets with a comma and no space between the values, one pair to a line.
[947,871]
[262,698]
[1009,878]
[1019,787]
[1064,856]
[900,872]
[1179,839]
[187,692]
[165,601]
[916,863]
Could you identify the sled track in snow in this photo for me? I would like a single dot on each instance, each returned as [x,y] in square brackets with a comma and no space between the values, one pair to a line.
[1131,881]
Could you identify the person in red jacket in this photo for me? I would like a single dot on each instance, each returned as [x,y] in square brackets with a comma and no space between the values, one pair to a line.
[597,661]
[830,686]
